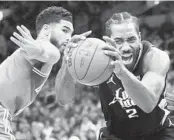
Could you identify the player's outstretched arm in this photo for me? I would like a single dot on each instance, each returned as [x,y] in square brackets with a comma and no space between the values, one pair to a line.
[36,50]
[22,68]
[66,87]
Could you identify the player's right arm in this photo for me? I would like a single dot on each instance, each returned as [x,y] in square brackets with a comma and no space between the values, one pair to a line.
[22,67]
[65,86]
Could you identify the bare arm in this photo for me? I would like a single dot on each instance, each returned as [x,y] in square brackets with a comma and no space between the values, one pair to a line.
[66,87]
[146,93]
[36,51]
[30,53]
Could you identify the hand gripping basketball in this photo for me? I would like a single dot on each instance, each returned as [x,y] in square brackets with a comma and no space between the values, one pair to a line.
[170,101]
[88,64]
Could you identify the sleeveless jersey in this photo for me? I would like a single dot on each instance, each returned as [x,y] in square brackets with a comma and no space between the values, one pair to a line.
[123,117]
[20,83]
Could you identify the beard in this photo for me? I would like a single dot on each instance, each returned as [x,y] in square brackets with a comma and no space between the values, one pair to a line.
[55,43]
[59,46]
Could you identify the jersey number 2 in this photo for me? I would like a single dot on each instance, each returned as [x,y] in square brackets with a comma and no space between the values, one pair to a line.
[132,113]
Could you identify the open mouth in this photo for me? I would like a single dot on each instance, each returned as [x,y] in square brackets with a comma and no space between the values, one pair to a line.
[127,58]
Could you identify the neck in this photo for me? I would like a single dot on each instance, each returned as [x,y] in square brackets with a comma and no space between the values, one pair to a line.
[42,37]
[138,57]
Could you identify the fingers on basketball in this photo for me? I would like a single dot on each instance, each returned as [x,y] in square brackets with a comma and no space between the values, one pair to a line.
[169,96]
[170,102]
[109,41]
[110,48]
[86,34]
[80,37]
[112,52]
[171,108]
[71,45]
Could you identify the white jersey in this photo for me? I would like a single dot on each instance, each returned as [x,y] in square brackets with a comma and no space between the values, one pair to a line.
[20,83]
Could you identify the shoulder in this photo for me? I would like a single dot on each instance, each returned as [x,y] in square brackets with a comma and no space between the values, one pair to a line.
[156,60]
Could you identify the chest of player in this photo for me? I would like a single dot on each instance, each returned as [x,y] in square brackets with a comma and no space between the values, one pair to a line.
[119,99]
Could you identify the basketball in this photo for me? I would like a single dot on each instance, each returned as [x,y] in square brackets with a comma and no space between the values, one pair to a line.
[88,64]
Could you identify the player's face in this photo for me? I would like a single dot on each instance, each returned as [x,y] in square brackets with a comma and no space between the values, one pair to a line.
[128,42]
[61,33]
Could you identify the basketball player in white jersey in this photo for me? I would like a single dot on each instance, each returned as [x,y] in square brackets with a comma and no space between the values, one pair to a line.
[24,72]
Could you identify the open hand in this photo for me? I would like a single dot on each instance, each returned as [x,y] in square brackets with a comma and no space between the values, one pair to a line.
[41,50]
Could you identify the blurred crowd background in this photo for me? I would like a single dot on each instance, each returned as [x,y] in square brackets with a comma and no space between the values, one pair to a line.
[47,120]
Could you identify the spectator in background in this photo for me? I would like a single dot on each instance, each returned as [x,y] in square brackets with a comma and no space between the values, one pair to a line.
[3,48]
[24,131]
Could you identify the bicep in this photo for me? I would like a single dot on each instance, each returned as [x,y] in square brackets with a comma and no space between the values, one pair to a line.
[157,68]
[154,82]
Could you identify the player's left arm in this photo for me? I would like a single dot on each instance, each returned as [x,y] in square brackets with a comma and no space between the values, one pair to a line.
[66,86]
[146,93]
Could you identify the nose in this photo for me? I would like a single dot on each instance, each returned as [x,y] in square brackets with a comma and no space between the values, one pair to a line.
[125,47]
[68,38]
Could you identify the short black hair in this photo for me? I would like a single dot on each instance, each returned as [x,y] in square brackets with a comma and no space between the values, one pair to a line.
[119,18]
[52,14]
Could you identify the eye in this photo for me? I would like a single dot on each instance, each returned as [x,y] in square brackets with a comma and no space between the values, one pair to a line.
[131,39]
[65,31]
[118,41]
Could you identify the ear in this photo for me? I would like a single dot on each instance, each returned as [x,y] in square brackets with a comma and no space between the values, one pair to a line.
[46,31]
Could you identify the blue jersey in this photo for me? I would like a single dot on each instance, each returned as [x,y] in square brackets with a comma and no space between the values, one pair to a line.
[123,117]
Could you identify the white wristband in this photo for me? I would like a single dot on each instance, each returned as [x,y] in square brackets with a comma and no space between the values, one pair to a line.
[39,72]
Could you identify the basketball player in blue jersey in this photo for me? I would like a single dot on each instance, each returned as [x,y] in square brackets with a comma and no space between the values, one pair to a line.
[24,72]
[132,99]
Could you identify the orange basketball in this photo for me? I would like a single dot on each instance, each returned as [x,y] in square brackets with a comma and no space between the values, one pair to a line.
[88,64]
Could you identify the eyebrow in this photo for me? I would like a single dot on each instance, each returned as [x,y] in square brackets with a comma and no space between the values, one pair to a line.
[122,38]
[117,38]
[131,37]
[68,28]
